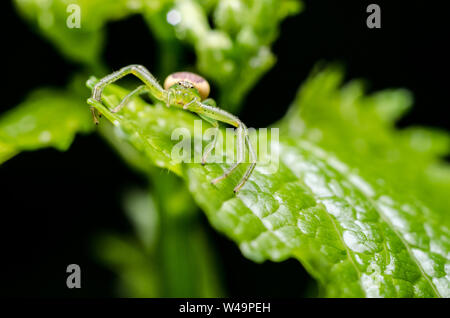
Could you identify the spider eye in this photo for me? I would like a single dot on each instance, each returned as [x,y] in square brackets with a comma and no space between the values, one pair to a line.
[186,84]
[197,81]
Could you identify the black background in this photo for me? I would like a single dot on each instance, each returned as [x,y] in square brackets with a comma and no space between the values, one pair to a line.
[49,213]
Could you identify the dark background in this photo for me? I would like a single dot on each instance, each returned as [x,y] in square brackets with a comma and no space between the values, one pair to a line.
[50,211]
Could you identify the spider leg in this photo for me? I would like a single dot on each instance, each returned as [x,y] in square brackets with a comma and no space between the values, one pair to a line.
[138,91]
[94,116]
[240,132]
[186,106]
[137,70]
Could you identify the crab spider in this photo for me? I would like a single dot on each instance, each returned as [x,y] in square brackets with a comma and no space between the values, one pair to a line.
[188,91]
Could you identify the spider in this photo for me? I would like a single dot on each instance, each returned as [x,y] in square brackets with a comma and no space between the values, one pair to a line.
[190,92]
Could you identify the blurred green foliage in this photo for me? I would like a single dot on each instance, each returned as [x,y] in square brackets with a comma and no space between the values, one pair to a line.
[83,44]
[168,256]
[234,52]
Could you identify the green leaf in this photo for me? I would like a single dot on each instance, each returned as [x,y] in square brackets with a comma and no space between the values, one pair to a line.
[349,197]
[47,118]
